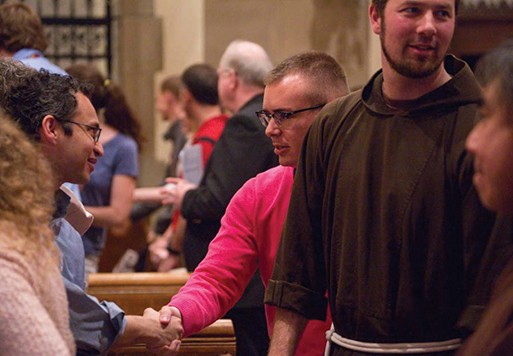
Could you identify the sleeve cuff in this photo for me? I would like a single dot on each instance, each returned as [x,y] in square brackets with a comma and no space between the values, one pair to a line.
[299,299]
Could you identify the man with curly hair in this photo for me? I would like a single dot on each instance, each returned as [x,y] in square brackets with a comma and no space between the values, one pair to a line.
[55,112]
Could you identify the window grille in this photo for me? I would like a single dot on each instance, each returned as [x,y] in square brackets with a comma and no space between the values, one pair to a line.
[77,31]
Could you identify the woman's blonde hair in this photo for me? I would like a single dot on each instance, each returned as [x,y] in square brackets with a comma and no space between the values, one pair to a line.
[27,193]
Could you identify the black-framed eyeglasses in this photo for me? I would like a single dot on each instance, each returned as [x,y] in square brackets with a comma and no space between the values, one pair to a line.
[280,116]
[94,131]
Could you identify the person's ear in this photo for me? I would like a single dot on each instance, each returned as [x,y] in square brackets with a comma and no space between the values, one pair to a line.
[375,19]
[233,79]
[48,130]
[185,95]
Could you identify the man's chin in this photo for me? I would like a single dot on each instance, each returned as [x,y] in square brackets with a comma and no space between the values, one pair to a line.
[283,161]
[84,179]
[417,69]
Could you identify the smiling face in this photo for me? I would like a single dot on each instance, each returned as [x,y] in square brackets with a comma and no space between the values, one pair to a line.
[491,142]
[75,155]
[414,35]
[288,95]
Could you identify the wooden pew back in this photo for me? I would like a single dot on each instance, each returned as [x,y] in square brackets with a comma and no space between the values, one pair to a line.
[215,340]
[134,292]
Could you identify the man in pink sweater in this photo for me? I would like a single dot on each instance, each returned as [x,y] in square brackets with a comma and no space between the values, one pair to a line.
[251,228]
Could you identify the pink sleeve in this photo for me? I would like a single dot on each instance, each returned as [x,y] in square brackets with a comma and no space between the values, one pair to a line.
[220,279]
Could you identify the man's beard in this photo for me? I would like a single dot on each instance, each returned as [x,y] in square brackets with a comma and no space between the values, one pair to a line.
[409,70]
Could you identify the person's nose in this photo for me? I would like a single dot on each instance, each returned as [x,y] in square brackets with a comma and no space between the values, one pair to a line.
[427,25]
[472,141]
[98,149]
[272,129]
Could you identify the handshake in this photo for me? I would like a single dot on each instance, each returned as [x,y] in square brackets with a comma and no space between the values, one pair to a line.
[161,332]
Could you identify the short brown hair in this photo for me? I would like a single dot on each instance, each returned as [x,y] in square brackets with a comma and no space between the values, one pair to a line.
[201,81]
[380,5]
[326,77]
[20,27]
[496,66]
[172,85]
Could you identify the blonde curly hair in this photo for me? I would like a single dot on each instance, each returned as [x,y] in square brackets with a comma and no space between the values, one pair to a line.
[27,193]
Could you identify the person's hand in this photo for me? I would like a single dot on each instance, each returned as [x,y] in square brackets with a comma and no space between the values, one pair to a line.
[168,263]
[167,338]
[158,251]
[167,313]
[174,195]
[151,237]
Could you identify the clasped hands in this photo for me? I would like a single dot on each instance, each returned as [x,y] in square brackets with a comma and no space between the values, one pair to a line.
[174,191]
[167,340]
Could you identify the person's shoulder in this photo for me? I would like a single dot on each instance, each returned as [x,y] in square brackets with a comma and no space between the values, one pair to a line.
[125,142]
[215,123]
[274,177]
[341,107]
[243,116]
[347,101]
[244,123]
[40,62]
[13,263]
[249,109]
[273,173]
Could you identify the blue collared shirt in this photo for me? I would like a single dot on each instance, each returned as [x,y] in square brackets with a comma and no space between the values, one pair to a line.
[35,59]
[95,325]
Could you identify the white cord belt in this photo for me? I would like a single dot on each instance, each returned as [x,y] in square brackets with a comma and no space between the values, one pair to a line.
[391,348]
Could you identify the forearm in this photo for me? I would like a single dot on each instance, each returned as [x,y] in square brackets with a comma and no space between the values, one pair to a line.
[203,299]
[109,216]
[287,330]
[148,194]
[117,212]
[134,332]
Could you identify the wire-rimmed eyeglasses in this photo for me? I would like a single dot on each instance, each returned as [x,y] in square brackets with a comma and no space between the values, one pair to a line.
[280,116]
[94,131]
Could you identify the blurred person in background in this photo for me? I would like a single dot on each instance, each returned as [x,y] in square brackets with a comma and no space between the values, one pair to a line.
[148,200]
[200,101]
[108,195]
[170,110]
[22,37]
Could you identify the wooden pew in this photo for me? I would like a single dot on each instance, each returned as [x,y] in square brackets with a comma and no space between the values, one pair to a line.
[134,292]
[215,340]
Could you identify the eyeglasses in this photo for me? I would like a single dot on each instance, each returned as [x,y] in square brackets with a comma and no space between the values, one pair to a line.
[94,131]
[280,116]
